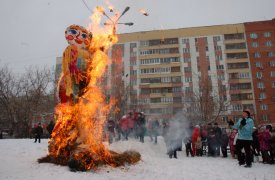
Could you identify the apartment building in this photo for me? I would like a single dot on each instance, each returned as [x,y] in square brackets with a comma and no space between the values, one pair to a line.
[260,37]
[159,71]
[165,67]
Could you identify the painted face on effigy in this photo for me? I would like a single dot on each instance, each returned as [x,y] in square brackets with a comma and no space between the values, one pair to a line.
[78,36]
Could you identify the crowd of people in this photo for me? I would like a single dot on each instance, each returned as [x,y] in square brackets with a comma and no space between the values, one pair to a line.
[242,140]
[132,124]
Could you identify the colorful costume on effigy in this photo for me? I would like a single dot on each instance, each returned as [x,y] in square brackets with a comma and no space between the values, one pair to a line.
[74,64]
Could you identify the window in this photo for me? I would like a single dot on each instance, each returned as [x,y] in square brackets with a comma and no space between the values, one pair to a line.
[133,45]
[133,72]
[175,69]
[133,62]
[272,63]
[155,100]
[188,89]
[187,69]
[144,101]
[257,55]
[218,57]
[244,75]
[176,89]
[220,67]
[186,59]
[207,58]
[270,54]
[237,107]
[262,95]
[144,43]
[267,34]
[264,106]
[184,41]
[253,35]
[234,36]
[176,79]
[218,48]
[268,43]
[206,48]
[165,79]
[273,84]
[216,38]
[186,50]
[259,75]
[259,64]
[265,117]
[272,74]
[188,79]
[133,82]
[255,44]
[260,85]
[221,77]
[236,55]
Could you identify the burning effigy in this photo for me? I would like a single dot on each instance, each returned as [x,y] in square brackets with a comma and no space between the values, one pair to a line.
[77,138]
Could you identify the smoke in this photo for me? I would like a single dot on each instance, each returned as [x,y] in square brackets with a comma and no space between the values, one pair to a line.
[176,130]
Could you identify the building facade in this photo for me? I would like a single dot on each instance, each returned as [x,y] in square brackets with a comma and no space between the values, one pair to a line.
[165,68]
[260,41]
[161,72]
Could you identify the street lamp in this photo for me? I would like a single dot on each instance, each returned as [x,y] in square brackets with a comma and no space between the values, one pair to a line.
[114,23]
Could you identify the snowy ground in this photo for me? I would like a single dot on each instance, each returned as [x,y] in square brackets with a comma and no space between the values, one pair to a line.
[18,159]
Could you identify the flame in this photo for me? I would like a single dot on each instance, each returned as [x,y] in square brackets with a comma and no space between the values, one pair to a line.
[78,132]
[144,12]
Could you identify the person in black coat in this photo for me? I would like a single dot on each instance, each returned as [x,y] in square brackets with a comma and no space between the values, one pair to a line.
[217,142]
[224,142]
[155,130]
[50,128]
[141,126]
[38,131]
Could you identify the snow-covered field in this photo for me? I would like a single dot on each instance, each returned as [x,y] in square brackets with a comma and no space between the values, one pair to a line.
[18,160]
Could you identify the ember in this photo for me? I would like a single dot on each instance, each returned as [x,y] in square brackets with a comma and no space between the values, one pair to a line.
[143,11]
[78,134]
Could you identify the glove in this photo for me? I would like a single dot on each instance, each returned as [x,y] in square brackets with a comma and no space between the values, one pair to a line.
[243,122]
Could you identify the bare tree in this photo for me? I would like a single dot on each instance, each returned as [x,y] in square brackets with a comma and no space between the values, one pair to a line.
[206,105]
[24,96]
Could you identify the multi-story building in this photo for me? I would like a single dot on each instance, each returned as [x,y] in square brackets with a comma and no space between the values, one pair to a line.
[158,72]
[261,47]
[165,67]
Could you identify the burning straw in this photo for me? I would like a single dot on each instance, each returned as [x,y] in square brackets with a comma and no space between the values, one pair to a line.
[77,136]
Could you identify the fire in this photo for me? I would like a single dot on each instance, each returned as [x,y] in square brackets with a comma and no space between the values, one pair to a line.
[144,12]
[78,134]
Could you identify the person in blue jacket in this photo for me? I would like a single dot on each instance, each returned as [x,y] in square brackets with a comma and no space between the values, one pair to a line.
[245,129]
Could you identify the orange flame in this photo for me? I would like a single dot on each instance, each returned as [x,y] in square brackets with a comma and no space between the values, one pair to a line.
[79,128]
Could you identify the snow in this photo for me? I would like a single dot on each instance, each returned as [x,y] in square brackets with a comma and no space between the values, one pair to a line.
[19,161]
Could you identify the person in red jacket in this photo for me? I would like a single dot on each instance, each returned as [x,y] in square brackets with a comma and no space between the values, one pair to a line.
[196,141]
[123,123]
[131,123]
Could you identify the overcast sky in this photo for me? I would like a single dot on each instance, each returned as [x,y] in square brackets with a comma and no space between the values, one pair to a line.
[32,31]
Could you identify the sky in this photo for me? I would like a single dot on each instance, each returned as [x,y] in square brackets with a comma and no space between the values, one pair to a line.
[32,31]
[19,161]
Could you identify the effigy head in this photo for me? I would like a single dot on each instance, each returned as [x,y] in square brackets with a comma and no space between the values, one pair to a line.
[78,36]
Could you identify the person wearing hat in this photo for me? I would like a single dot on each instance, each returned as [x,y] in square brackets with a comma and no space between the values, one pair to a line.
[245,129]
[38,131]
